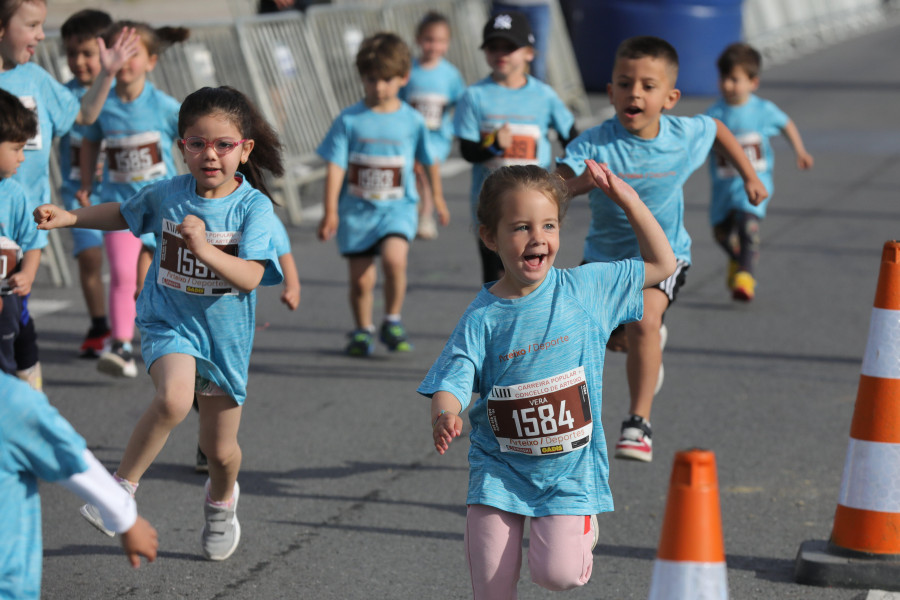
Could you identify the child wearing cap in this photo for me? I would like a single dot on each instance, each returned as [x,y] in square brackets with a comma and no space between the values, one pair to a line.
[504,118]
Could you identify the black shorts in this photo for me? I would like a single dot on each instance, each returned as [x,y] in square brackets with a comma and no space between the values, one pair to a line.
[375,249]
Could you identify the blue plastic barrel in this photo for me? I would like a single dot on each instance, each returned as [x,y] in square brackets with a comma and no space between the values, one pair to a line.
[698,29]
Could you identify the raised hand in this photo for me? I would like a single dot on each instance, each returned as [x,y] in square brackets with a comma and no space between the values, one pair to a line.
[125,46]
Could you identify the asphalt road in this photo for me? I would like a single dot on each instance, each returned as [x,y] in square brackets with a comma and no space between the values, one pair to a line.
[343,496]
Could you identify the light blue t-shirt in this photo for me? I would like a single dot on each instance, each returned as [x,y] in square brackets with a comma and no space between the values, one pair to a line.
[16,222]
[184,308]
[280,239]
[434,92]
[521,352]
[377,151]
[36,442]
[530,111]
[57,108]
[139,136]
[752,123]
[657,169]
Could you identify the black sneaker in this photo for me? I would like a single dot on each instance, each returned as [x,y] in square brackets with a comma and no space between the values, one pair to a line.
[118,361]
[361,343]
[93,343]
[393,335]
[635,442]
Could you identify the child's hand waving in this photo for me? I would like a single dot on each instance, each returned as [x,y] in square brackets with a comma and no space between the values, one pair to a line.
[125,46]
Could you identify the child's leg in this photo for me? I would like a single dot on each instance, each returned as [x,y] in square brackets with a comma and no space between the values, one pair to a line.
[173,377]
[747,228]
[90,267]
[220,417]
[394,253]
[726,235]
[122,249]
[559,551]
[493,542]
[644,353]
[362,284]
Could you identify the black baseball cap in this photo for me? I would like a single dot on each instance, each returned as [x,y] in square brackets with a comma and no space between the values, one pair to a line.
[510,25]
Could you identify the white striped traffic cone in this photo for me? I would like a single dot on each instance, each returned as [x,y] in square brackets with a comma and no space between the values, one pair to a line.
[864,550]
[690,563]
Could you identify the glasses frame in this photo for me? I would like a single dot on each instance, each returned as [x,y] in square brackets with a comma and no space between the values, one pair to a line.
[210,144]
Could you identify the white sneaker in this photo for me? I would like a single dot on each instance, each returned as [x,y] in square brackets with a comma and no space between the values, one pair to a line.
[222,531]
[427,229]
[118,361]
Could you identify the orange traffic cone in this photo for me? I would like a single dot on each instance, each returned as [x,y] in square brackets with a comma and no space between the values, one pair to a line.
[864,550]
[690,564]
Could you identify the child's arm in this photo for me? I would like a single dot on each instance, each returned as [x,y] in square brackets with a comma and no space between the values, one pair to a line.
[290,296]
[21,282]
[492,146]
[334,180]
[804,159]
[659,260]
[111,60]
[89,152]
[577,185]
[242,274]
[117,509]
[446,423]
[106,216]
[437,193]
[728,146]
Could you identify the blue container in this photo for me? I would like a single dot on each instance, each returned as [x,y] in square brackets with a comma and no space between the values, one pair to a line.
[698,29]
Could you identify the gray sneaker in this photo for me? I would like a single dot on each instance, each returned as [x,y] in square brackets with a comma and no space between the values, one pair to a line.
[92,514]
[222,532]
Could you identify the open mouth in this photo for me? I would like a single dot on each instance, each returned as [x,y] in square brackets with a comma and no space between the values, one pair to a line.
[534,261]
[209,172]
[633,110]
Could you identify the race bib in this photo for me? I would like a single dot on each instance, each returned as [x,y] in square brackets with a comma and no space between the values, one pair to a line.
[430,106]
[135,158]
[752,145]
[542,418]
[10,256]
[375,177]
[180,270]
[522,150]
[35,143]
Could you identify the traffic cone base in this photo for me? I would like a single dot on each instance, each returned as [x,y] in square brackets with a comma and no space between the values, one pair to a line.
[824,564]
[864,548]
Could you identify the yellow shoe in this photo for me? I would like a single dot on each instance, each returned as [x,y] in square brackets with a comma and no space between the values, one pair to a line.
[744,286]
[733,269]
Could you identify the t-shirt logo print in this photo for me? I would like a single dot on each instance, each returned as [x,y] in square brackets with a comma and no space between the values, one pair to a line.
[503,22]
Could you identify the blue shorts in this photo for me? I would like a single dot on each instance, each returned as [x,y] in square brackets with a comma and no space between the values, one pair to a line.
[86,238]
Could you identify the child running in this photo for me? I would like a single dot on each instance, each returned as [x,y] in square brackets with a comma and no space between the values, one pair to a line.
[196,313]
[656,153]
[434,87]
[79,35]
[20,244]
[21,30]
[504,118]
[531,345]
[370,191]
[735,220]
[139,126]
[36,442]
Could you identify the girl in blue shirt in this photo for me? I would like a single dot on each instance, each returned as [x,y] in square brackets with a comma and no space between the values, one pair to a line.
[531,345]
[434,87]
[138,124]
[196,312]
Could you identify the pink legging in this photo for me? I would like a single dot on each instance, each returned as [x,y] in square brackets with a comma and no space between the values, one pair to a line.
[559,551]
[122,250]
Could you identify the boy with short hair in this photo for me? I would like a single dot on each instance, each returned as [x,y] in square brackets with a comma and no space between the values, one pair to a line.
[20,244]
[655,153]
[503,119]
[734,220]
[370,188]
[36,442]
[79,35]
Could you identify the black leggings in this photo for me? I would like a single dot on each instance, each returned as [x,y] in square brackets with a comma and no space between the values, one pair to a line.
[738,235]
